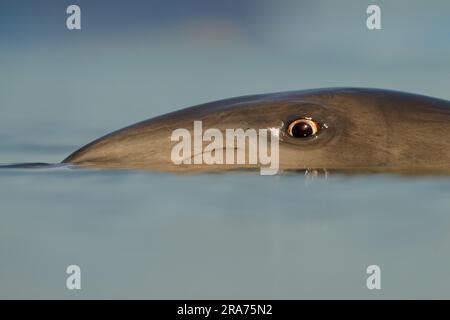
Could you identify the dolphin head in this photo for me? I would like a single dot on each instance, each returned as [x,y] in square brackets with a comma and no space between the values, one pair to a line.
[343,129]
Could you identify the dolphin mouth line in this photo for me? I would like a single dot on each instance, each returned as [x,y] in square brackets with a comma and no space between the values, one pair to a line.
[34,165]
[215,150]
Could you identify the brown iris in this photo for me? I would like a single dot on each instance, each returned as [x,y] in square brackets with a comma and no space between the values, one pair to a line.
[302,128]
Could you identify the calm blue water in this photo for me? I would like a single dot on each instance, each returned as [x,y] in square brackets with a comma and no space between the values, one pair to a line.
[235,235]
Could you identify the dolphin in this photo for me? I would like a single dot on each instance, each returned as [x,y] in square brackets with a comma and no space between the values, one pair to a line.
[332,129]
[349,130]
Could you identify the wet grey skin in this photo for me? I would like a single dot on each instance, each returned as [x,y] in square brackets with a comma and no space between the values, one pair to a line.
[361,130]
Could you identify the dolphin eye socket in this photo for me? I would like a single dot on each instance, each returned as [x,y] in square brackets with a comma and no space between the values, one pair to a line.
[302,128]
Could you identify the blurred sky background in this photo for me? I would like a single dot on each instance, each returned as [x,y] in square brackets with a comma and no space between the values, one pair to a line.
[136,59]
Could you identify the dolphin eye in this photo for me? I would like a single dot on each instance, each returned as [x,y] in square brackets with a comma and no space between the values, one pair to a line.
[302,128]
